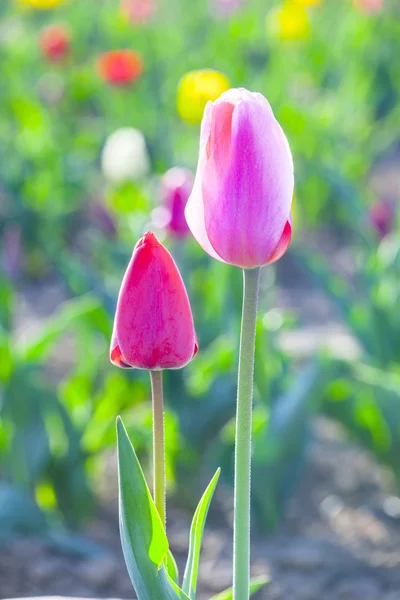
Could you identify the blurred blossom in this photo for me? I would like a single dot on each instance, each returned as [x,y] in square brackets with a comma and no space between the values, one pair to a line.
[51,88]
[195,89]
[240,208]
[177,184]
[120,67]
[289,22]
[54,42]
[369,6]
[138,11]
[125,156]
[41,4]
[308,2]
[104,218]
[12,250]
[382,215]
[225,8]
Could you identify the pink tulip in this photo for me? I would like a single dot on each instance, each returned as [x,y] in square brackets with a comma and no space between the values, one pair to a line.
[153,326]
[239,209]
[382,216]
[369,6]
[177,184]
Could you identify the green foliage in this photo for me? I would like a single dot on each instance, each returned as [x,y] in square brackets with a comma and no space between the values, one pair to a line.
[144,541]
[196,533]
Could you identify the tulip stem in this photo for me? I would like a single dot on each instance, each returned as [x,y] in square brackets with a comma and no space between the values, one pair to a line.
[241,532]
[158,443]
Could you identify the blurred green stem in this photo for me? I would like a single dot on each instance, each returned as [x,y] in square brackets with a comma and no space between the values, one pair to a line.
[158,443]
[241,532]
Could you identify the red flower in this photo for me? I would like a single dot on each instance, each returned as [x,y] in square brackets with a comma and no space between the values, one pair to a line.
[120,67]
[54,42]
[153,326]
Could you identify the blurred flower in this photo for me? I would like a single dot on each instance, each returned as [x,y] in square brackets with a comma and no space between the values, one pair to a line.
[138,11]
[153,326]
[308,2]
[120,67]
[225,8]
[12,250]
[54,42]
[103,216]
[41,4]
[51,87]
[177,184]
[289,22]
[239,209]
[369,6]
[195,89]
[382,215]
[124,156]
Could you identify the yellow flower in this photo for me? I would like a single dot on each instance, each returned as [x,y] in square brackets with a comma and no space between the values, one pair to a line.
[308,2]
[289,22]
[195,89]
[41,4]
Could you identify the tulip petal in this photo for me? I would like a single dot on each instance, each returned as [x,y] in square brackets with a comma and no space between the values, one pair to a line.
[194,211]
[283,243]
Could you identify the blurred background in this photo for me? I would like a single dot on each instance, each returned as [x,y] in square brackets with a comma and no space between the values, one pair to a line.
[100,106]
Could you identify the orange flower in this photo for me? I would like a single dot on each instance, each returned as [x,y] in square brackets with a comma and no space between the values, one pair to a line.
[54,42]
[120,67]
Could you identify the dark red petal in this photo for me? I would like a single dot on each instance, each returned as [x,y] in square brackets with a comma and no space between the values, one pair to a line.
[117,359]
[283,243]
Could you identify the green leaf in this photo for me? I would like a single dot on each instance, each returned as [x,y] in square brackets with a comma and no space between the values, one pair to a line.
[172,567]
[196,533]
[72,312]
[143,538]
[255,585]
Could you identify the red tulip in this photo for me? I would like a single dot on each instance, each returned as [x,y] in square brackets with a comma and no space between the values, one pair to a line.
[177,185]
[153,326]
[120,67]
[54,42]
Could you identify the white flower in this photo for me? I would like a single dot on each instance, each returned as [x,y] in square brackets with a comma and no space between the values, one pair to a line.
[124,156]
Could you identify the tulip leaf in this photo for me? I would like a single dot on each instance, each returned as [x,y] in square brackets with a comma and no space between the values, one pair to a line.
[196,533]
[143,538]
[256,584]
[172,567]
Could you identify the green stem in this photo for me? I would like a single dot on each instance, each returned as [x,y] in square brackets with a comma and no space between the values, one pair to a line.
[158,443]
[241,532]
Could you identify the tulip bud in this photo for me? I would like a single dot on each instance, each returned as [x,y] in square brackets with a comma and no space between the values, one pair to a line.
[195,89]
[369,6]
[124,156]
[54,42]
[239,209]
[177,185]
[120,67]
[153,326]
[382,215]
